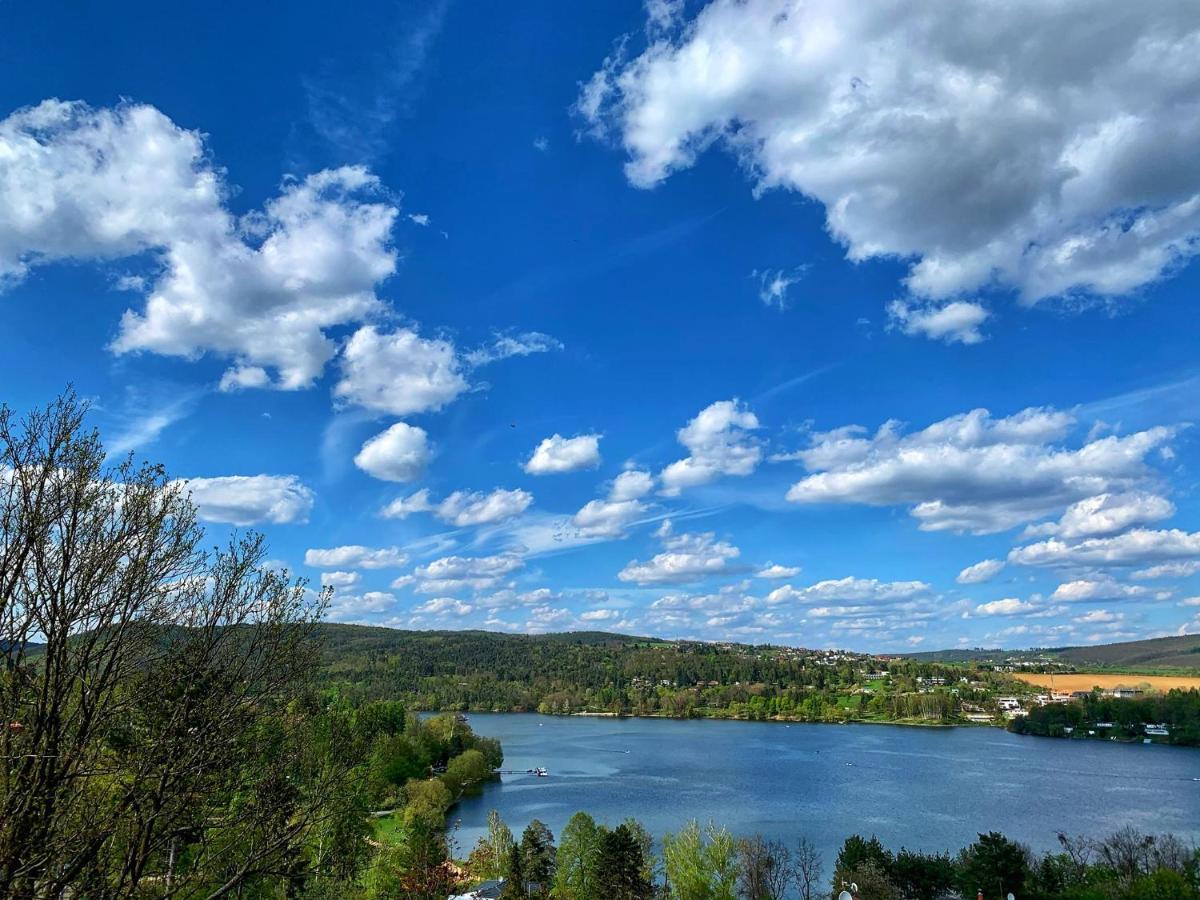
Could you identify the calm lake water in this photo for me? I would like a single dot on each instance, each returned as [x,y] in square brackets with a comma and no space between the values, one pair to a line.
[924,788]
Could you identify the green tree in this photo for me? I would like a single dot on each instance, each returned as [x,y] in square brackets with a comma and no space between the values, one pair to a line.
[621,867]
[490,858]
[994,865]
[701,865]
[537,857]
[427,802]
[575,863]
[514,885]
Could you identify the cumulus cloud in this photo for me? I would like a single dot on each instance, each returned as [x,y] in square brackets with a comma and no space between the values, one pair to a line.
[849,589]
[719,442]
[354,556]
[609,518]
[982,571]
[251,499]
[398,372]
[955,323]
[1087,589]
[462,508]
[630,485]
[338,579]
[1168,570]
[1107,514]
[263,289]
[557,454]
[1010,606]
[685,558]
[444,606]
[774,570]
[972,472]
[400,453]
[982,144]
[1140,546]
[453,574]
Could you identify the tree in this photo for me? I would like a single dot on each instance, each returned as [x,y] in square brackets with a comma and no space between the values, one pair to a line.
[413,866]
[537,856]
[922,877]
[766,869]
[576,861]
[491,855]
[427,802]
[701,865]
[808,869]
[994,865]
[621,867]
[514,886]
[152,732]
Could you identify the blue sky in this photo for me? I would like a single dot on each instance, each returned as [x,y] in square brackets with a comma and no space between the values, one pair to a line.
[765,321]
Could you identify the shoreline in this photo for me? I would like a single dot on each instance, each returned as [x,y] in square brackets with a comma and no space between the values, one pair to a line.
[587,714]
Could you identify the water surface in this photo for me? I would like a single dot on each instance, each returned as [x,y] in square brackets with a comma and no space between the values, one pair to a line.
[924,788]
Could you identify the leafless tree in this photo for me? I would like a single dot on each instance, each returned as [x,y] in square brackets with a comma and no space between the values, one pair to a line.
[766,870]
[144,737]
[808,870]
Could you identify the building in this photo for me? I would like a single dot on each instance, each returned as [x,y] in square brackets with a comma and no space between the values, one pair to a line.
[1126,693]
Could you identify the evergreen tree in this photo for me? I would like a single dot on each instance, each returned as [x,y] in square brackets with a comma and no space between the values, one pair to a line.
[620,867]
[537,857]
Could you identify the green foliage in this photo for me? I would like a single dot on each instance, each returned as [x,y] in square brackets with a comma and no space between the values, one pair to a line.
[620,868]
[575,874]
[568,673]
[1178,709]
[701,864]
[491,855]
[994,865]
[538,857]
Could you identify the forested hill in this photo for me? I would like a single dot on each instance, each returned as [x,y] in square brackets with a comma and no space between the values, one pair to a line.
[598,672]
[1182,652]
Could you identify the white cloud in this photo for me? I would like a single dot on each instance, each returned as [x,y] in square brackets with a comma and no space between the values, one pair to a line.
[1088,589]
[774,285]
[452,574]
[955,323]
[849,589]
[504,346]
[557,454]
[971,472]
[600,615]
[1190,601]
[982,143]
[630,485]
[719,443]
[1008,607]
[340,579]
[399,372]
[1169,570]
[249,499]
[1107,514]
[1096,616]
[354,607]
[685,558]
[400,453]
[444,606]
[403,507]
[462,508]
[354,556]
[980,572]
[774,570]
[1140,546]
[104,184]
[607,518]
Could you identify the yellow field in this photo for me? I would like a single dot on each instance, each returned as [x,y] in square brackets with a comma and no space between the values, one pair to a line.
[1085,681]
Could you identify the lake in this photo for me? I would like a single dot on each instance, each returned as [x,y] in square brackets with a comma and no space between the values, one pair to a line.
[924,788]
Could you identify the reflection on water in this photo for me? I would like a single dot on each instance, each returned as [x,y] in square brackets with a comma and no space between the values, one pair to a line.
[924,788]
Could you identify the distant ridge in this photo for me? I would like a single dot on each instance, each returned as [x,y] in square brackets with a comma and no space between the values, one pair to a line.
[1181,652]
